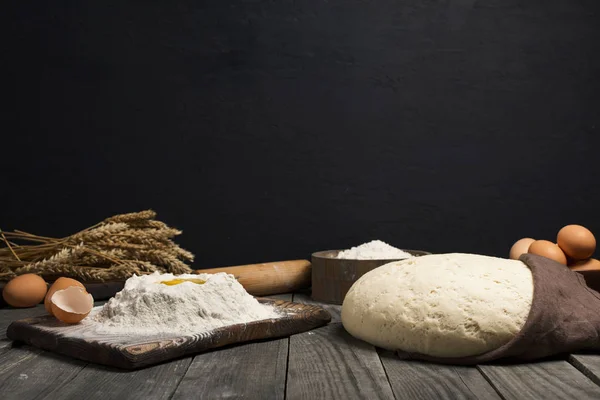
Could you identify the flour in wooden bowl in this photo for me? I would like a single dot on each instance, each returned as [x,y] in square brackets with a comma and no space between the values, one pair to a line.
[148,306]
[374,250]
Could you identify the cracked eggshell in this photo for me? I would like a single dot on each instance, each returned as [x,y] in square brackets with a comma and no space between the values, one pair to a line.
[59,284]
[71,305]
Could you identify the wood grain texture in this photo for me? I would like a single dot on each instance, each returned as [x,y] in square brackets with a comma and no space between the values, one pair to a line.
[554,379]
[420,380]
[588,364]
[254,370]
[333,309]
[27,372]
[101,382]
[128,352]
[269,278]
[328,363]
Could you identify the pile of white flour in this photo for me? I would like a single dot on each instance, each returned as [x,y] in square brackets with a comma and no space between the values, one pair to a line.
[145,306]
[374,250]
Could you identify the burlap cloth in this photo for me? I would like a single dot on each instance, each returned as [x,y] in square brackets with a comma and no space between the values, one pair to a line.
[564,317]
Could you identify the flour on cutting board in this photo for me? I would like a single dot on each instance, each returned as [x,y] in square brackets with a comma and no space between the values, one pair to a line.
[146,306]
[374,250]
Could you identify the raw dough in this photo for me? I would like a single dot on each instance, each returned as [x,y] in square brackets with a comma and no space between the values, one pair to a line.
[442,305]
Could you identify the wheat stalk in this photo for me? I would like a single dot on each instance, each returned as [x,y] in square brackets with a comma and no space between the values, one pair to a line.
[115,248]
[100,232]
[132,217]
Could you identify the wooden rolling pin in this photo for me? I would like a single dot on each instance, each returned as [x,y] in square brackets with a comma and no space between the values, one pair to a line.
[269,278]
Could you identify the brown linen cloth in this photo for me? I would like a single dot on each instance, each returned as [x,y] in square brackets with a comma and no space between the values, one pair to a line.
[564,317]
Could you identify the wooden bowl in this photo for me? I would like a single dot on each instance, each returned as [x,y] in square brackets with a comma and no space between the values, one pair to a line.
[332,277]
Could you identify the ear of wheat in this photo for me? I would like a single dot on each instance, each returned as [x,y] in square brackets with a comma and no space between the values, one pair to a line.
[113,249]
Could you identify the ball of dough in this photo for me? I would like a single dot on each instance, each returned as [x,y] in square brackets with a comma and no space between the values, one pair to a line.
[441,305]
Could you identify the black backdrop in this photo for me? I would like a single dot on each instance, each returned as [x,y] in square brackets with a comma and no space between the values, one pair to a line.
[267,130]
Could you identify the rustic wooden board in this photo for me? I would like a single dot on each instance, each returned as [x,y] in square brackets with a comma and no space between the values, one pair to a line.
[328,363]
[134,352]
[421,380]
[333,309]
[255,370]
[554,379]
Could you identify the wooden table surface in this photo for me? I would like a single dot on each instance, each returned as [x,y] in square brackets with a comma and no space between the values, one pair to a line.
[326,363]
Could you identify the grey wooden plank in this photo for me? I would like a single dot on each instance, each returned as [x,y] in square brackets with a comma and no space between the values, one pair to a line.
[27,373]
[412,379]
[553,379]
[328,363]
[256,370]
[8,315]
[588,364]
[99,382]
[333,309]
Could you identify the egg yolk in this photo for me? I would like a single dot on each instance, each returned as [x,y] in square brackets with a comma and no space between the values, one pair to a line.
[173,282]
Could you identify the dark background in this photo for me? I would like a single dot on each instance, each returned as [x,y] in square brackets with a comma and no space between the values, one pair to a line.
[267,130]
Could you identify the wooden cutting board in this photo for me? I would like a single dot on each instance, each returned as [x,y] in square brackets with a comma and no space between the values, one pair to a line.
[128,352]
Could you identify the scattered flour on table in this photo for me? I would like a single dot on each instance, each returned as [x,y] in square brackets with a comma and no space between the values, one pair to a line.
[146,307]
[374,250]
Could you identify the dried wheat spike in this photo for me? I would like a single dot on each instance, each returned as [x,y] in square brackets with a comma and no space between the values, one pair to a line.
[100,232]
[102,257]
[147,224]
[64,256]
[161,258]
[180,252]
[158,234]
[143,266]
[132,217]
[6,273]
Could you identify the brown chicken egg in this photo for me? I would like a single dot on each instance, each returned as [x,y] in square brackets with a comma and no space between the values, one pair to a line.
[59,284]
[587,265]
[521,246]
[577,242]
[25,290]
[548,249]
